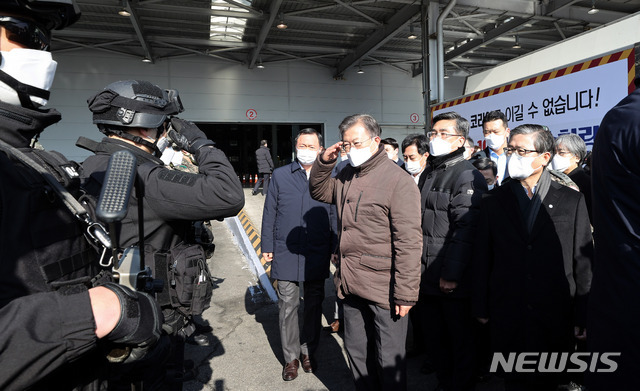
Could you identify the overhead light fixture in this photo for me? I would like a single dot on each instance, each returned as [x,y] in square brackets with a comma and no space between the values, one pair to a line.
[282,25]
[517,44]
[146,60]
[123,9]
[360,70]
[593,9]
[446,75]
[412,35]
[260,66]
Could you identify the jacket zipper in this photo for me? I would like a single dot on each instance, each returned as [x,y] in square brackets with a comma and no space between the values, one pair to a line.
[20,118]
[355,216]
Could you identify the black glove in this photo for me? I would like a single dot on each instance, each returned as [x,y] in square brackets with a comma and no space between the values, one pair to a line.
[187,136]
[140,317]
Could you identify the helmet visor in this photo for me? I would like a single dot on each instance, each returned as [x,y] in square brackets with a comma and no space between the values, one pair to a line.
[175,103]
[25,33]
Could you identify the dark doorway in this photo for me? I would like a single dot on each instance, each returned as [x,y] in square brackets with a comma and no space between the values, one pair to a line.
[239,142]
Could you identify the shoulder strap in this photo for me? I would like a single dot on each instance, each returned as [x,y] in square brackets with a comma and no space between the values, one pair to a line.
[95,230]
[65,171]
[88,144]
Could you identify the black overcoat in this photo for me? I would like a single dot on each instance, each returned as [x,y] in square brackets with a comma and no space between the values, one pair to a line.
[264,161]
[532,286]
[614,307]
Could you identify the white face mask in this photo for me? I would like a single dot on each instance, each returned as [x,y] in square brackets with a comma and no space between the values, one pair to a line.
[520,167]
[490,187]
[413,167]
[390,155]
[439,147]
[172,156]
[359,156]
[33,67]
[494,141]
[306,156]
[560,163]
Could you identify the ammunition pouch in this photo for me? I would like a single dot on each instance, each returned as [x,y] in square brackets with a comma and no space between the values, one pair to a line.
[188,279]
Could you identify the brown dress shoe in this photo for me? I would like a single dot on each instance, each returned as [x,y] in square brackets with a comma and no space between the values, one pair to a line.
[290,370]
[306,363]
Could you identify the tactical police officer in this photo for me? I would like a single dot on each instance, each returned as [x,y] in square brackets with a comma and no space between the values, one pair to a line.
[52,319]
[138,116]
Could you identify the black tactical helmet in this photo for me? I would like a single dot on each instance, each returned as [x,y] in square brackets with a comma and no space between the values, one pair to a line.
[133,104]
[50,14]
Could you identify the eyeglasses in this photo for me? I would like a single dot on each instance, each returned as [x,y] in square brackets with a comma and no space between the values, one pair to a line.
[442,135]
[346,146]
[27,34]
[521,151]
[563,152]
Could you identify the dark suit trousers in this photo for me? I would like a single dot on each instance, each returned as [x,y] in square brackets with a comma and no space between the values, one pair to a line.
[264,179]
[448,331]
[375,343]
[289,301]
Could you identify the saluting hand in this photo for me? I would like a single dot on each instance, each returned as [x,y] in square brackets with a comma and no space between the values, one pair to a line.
[332,152]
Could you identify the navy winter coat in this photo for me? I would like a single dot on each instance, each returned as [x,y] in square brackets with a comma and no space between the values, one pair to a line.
[298,230]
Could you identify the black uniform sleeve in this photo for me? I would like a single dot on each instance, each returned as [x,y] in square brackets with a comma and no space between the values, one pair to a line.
[215,192]
[42,332]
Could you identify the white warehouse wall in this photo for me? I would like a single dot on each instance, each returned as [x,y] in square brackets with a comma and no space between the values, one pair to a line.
[217,91]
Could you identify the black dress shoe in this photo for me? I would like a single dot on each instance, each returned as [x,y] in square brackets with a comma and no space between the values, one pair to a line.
[290,370]
[306,363]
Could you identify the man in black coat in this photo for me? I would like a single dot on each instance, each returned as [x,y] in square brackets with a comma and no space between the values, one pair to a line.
[532,267]
[391,147]
[495,128]
[614,315]
[450,191]
[265,168]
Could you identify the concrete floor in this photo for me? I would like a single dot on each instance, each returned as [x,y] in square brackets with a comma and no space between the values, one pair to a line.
[245,351]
